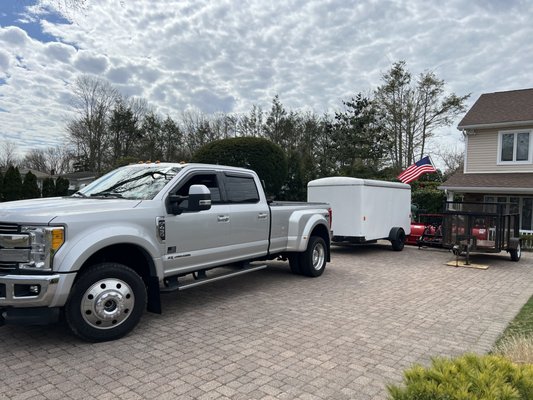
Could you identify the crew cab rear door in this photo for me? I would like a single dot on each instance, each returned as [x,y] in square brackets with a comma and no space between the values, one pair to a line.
[249,215]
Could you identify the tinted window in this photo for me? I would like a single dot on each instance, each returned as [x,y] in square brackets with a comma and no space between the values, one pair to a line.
[209,180]
[241,189]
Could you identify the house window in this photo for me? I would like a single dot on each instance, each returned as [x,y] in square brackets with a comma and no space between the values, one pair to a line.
[514,147]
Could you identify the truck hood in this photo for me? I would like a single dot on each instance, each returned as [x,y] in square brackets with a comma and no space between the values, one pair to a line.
[43,211]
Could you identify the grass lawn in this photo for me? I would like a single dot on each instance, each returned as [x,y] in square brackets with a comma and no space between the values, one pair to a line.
[516,342]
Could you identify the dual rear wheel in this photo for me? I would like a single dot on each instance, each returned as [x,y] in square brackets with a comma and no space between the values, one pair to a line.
[312,261]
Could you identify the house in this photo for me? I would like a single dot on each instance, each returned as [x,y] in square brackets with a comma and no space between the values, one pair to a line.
[78,180]
[498,164]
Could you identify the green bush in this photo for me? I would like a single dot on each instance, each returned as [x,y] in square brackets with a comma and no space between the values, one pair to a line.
[61,186]
[49,187]
[12,188]
[30,190]
[429,199]
[469,377]
[261,155]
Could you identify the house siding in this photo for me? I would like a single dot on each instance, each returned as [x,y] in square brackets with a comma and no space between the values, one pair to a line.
[482,153]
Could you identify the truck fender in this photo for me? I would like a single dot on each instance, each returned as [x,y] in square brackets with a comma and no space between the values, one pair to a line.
[300,229]
[79,252]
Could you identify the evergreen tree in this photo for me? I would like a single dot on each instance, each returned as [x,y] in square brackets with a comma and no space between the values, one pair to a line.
[30,190]
[49,188]
[12,188]
[61,187]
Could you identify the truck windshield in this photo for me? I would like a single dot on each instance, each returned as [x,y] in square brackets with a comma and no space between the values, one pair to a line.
[137,183]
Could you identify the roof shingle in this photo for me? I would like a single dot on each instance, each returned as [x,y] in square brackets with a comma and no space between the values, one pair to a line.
[500,107]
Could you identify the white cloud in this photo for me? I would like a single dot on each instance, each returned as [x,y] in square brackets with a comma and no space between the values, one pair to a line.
[228,55]
[90,62]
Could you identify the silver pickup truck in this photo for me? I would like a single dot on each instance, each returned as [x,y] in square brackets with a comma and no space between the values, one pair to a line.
[104,254]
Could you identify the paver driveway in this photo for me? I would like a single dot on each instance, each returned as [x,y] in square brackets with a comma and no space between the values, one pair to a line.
[275,335]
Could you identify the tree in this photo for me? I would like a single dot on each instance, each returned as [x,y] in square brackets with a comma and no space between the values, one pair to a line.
[61,186]
[30,190]
[52,160]
[8,154]
[1,187]
[49,187]
[359,142]
[94,100]
[12,188]
[452,158]
[411,112]
[124,130]
[258,154]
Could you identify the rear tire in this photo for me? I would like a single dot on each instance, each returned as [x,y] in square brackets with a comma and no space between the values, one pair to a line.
[106,302]
[313,259]
[294,263]
[516,254]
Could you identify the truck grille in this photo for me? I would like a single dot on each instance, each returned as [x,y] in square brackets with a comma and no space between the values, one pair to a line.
[6,228]
[9,228]
[8,267]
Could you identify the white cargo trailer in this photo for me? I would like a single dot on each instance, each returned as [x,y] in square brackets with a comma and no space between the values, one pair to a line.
[365,210]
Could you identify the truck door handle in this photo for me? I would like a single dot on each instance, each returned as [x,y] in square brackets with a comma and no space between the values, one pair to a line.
[223,218]
[262,215]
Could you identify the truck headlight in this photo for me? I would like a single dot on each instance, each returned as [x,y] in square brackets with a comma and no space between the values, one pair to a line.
[44,243]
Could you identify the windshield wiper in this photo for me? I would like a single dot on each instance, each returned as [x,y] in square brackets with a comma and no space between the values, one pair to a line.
[107,193]
[80,194]
[110,189]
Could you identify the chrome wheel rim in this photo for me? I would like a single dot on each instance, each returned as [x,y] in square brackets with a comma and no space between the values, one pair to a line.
[107,303]
[319,255]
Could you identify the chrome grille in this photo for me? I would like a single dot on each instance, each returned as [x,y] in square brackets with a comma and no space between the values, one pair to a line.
[9,228]
[8,267]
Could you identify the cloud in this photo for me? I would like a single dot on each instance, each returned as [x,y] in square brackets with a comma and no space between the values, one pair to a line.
[90,62]
[4,62]
[228,55]
[14,36]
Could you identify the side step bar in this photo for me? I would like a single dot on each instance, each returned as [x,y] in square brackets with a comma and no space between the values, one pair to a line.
[175,285]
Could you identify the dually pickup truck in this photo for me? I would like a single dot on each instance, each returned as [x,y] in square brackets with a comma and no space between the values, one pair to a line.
[101,256]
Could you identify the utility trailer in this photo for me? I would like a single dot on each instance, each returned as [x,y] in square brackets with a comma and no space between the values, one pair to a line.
[469,227]
[365,210]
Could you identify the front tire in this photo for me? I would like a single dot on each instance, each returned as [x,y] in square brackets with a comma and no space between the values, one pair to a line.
[313,259]
[106,302]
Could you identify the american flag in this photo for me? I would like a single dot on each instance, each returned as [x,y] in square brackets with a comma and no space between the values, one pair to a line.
[418,168]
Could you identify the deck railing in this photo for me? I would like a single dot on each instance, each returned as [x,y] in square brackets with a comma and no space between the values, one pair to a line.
[527,241]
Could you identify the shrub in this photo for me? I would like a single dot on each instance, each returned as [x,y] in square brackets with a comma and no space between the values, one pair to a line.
[12,188]
[30,190]
[261,155]
[469,377]
[516,347]
[429,199]
[61,186]
[49,187]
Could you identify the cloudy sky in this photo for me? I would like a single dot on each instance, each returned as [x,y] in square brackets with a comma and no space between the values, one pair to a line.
[226,55]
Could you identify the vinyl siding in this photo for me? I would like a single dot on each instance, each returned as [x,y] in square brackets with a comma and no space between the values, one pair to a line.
[482,153]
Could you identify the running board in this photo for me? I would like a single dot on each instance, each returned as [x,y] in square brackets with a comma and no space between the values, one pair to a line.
[203,281]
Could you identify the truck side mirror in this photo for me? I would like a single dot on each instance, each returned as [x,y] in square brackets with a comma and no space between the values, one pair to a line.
[199,198]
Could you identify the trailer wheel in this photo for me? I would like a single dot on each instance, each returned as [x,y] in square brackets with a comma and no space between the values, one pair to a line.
[313,260]
[516,253]
[397,239]
[106,302]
